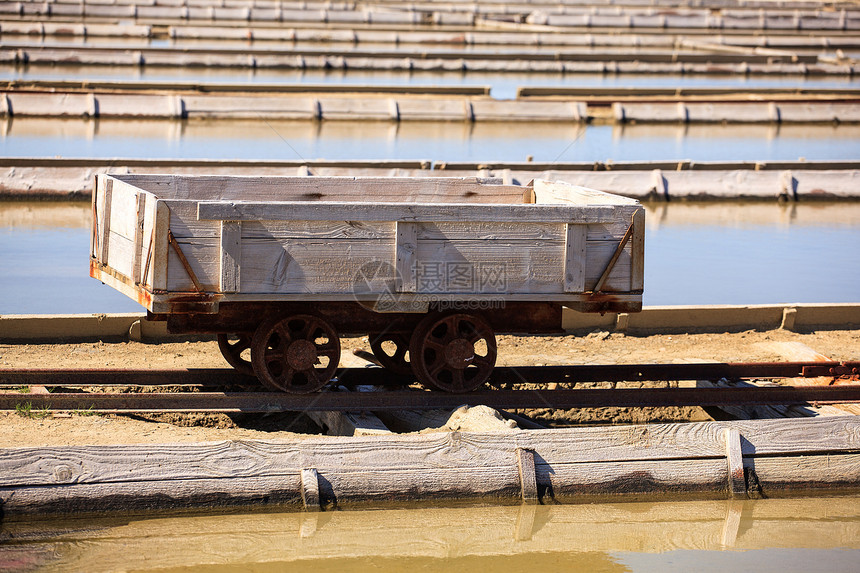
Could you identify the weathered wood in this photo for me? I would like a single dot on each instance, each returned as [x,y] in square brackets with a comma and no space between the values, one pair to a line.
[406,247]
[456,450]
[468,190]
[301,242]
[160,255]
[310,489]
[105,219]
[737,480]
[574,259]
[528,480]
[418,212]
[138,259]
[637,252]
[231,256]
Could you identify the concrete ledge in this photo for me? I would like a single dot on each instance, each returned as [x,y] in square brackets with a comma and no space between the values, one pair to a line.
[654,319]
[71,327]
[720,318]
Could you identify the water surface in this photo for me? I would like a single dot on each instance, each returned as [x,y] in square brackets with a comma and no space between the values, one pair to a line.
[780,535]
[503,85]
[259,139]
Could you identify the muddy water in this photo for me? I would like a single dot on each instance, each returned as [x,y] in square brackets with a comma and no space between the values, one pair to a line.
[439,141]
[785,535]
[735,253]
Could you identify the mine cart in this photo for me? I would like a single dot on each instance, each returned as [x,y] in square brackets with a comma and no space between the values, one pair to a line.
[429,268]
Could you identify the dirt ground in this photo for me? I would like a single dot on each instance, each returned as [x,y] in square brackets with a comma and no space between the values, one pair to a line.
[45,428]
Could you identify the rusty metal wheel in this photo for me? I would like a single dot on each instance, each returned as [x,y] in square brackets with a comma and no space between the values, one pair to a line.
[236,351]
[298,354]
[390,349]
[453,352]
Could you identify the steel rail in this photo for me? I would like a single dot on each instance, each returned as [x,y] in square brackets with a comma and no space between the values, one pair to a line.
[503,375]
[256,402]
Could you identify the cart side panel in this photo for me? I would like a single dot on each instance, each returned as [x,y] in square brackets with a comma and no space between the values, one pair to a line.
[489,258]
[122,228]
[602,242]
[317,257]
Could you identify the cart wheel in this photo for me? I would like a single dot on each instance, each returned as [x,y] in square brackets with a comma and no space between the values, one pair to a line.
[232,347]
[390,349]
[298,354]
[453,352]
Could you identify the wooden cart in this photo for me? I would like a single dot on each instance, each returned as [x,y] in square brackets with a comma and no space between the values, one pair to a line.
[429,268]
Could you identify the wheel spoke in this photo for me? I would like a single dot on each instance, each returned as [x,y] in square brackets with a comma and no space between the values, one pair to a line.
[437,367]
[273,355]
[329,349]
[286,378]
[458,382]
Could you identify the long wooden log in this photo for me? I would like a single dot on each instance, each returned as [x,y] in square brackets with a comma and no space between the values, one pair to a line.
[659,460]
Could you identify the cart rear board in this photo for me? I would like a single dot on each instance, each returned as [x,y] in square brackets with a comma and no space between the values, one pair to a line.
[225,254]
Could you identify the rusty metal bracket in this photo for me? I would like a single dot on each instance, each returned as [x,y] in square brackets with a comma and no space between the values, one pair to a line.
[844,369]
[175,244]
[598,287]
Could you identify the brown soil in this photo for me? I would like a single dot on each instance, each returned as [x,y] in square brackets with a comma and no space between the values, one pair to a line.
[595,348]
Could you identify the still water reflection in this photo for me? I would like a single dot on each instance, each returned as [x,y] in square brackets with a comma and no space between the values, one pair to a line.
[784,535]
[503,86]
[721,253]
[442,141]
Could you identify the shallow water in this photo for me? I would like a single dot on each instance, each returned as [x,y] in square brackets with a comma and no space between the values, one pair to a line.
[734,253]
[439,141]
[784,535]
[503,86]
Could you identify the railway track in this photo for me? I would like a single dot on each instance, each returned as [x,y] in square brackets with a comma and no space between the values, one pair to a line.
[68,393]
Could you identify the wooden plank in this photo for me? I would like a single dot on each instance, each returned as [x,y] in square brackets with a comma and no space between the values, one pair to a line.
[574,258]
[303,266]
[654,477]
[97,206]
[455,450]
[528,479]
[310,489]
[490,231]
[734,456]
[637,252]
[105,221]
[124,209]
[406,248]
[139,258]
[547,192]
[418,212]
[152,494]
[808,472]
[121,254]
[498,267]
[471,190]
[149,221]
[231,256]
[160,253]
